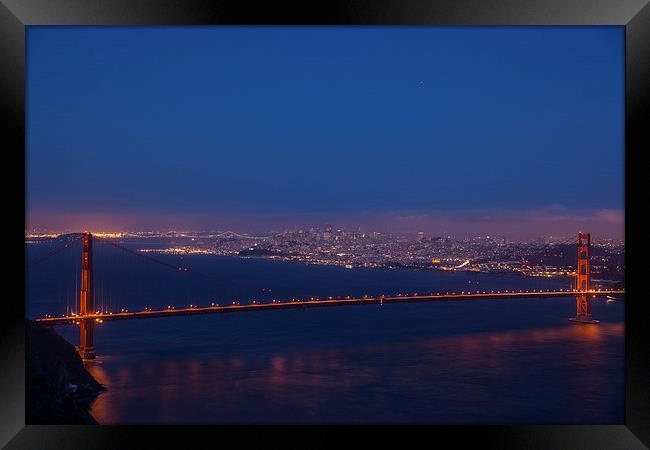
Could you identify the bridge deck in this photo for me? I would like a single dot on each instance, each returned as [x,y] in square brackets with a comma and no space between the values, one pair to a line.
[150,314]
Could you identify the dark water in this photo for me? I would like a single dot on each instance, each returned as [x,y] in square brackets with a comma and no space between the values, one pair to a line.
[477,361]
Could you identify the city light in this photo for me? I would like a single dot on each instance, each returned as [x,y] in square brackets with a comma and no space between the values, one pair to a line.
[583,295]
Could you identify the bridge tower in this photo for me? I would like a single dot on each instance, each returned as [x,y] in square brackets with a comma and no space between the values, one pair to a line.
[86,300]
[583,299]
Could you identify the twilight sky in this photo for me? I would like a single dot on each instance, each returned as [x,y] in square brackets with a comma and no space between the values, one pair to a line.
[454,130]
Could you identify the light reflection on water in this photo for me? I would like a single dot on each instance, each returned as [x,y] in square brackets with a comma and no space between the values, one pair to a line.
[479,361]
[548,375]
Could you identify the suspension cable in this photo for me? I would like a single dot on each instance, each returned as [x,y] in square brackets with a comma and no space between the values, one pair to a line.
[177,268]
[56,251]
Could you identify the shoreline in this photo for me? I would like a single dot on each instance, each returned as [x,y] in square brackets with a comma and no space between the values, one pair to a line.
[58,388]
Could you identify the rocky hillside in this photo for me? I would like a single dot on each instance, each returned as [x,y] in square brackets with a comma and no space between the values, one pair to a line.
[58,389]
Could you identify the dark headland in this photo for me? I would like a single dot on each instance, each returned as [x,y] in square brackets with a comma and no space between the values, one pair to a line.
[58,389]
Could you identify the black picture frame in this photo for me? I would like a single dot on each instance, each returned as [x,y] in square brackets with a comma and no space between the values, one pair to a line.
[634,15]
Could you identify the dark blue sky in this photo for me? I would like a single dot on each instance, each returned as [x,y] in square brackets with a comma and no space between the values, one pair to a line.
[232,121]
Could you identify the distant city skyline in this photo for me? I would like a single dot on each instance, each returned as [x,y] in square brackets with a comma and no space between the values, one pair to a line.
[603,224]
[516,131]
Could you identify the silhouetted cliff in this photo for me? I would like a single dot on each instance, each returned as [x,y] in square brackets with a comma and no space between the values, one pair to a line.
[58,389]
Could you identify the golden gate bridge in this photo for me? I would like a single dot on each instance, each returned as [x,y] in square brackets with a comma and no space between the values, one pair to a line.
[88,315]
